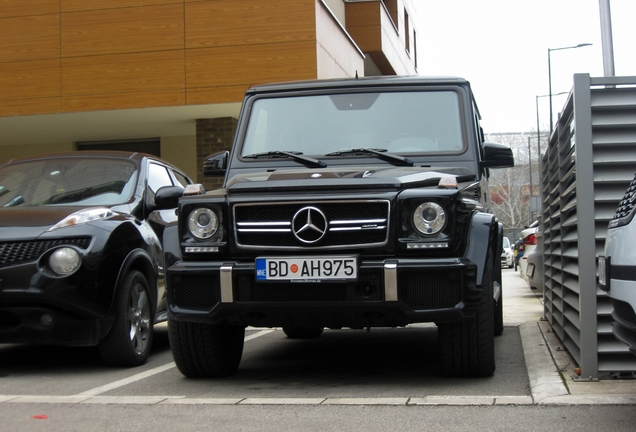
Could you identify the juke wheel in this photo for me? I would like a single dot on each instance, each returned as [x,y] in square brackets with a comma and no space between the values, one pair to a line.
[130,338]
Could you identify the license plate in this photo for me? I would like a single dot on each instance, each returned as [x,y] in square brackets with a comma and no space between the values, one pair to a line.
[530,270]
[307,269]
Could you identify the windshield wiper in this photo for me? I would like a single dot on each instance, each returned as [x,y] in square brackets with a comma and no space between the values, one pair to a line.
[289,154]
[380,153]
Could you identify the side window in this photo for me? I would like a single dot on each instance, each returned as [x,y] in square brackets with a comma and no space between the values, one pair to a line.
[183,180]
[158,176]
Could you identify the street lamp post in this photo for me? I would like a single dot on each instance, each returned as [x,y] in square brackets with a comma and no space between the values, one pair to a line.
[550,75]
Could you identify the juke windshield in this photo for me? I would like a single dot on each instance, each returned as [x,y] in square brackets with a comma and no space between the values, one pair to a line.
[407,122]
[72,181]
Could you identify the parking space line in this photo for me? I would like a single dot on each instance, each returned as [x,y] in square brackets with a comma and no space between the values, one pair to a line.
[123,382]
[259,334]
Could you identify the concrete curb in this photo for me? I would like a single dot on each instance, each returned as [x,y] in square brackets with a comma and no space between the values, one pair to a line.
[545,380]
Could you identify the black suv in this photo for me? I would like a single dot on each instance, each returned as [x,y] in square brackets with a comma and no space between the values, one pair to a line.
[348,203]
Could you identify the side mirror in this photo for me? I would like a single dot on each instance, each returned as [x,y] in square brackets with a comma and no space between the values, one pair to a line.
[497,156]
[216,164]
[167,197]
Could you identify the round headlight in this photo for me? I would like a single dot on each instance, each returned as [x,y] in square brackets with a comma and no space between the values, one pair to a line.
[429,218]
[203,223]
[65,261]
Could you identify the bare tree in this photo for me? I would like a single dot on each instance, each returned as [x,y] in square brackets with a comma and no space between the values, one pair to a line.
[510,188]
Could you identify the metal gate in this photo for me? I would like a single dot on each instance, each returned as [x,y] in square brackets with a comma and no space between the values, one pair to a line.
[586,169]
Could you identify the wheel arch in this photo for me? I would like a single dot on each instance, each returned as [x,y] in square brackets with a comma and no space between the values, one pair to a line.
[484,229]
[140,260]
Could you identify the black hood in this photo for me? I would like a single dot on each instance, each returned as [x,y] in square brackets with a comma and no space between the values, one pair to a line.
[388,178]
[31,222]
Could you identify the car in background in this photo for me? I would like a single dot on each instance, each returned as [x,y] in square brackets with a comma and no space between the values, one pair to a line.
[534,268]
[81,261]
[617,267]
[507,256]
[529,243]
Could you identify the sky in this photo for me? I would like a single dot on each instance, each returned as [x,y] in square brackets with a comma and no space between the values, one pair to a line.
[501,47]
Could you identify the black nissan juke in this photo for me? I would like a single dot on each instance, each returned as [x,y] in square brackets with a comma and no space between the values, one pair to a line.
[80,250]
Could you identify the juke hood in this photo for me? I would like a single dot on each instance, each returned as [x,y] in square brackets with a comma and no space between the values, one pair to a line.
[21,223]
[395,178]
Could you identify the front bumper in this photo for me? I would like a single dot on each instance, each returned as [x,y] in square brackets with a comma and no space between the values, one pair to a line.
[391,292]
[38,308]
[624,324]
[42,325]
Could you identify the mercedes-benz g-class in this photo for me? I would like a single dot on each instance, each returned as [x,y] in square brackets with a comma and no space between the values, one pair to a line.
[353,203]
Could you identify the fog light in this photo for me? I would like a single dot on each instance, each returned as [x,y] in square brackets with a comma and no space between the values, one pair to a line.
[65,261]
[366,289]
[46,320]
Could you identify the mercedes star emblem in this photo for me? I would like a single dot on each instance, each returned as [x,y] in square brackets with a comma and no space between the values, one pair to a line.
[309,225]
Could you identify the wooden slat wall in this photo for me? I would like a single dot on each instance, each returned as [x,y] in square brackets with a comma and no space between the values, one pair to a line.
[363,24]
[86,5]
[124,30]
[80,55]
[20,8]
[30,37]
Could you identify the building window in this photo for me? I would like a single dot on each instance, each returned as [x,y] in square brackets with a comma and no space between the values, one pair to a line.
[150,146]
[407,32]
[415,48]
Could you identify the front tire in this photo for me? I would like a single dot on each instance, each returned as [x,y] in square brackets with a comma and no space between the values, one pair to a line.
[467,348]
[129,340]
[203,350]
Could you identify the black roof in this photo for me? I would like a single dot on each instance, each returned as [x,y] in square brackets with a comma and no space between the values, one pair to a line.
[91,154]
[358,82]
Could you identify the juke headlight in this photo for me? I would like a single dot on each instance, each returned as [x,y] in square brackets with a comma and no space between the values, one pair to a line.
[203,223]
[429,218]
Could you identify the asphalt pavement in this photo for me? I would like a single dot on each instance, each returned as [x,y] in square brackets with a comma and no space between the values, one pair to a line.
[551,369]
[348,367]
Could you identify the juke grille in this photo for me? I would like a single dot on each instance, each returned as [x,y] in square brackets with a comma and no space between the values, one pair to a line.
[19,252]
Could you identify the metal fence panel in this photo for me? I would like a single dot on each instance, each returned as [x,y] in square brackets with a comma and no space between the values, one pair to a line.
[590,161]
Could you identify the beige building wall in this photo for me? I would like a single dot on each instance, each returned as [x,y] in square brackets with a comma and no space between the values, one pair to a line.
[181,151]
[17,151]
[65,60]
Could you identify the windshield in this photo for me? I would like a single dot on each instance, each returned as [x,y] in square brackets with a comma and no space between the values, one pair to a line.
[396,122]
[70,181]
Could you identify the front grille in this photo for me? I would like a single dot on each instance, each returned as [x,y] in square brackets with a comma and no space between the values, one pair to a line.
[18,252]
[355,223]
[624,311]
[429,290]
[196,291]
[626,205]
